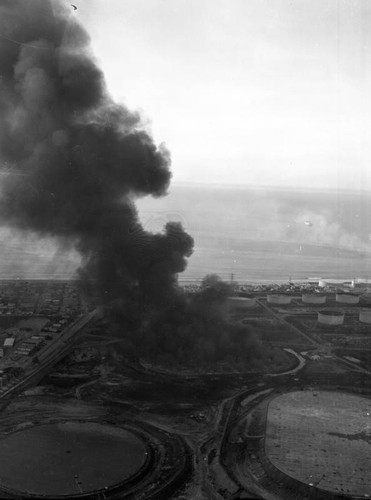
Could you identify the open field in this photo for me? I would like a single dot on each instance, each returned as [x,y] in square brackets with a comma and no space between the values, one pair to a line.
[271,330]
[322,438]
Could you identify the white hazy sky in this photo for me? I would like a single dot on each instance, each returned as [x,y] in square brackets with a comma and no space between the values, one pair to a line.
[263,92]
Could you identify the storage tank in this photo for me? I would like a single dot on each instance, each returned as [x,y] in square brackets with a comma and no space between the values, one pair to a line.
[331,317]
[361,284]
[329,282]
[313,298]
[365,316]
[279,299]
[238,303]
[347,298]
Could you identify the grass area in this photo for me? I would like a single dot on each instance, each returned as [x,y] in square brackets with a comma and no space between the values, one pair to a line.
[272,330]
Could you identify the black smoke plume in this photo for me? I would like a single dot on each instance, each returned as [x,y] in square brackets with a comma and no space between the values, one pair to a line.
[73,161]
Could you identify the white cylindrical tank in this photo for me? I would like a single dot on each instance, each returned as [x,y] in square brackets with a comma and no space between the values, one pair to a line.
[279,299]
[347,298]
[331,317]
[330,282]
[313,298]
[235,303]
[365,316]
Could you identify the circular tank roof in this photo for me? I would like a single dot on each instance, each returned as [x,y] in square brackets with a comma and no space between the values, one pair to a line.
[69,459]
[310,294]
[331,312]
[320,438]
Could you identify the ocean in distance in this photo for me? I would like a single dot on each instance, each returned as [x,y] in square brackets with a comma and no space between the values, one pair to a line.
[269,234]
[257,234]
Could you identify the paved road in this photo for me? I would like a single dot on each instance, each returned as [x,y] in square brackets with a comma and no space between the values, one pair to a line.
[294,370]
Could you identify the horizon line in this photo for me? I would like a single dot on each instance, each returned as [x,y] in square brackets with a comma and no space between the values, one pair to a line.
[269,187]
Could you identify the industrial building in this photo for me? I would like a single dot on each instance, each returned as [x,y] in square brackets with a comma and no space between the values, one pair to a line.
[30,346]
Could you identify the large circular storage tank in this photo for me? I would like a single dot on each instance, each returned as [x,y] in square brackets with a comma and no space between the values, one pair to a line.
[238,303]
[331,317]
[313,298]
[347,298]
[314,425]
[329,282]
[279,299]
[65,459]
[365,316]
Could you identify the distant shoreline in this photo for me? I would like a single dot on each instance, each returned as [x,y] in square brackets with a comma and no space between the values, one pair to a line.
[197,281]
[262,187]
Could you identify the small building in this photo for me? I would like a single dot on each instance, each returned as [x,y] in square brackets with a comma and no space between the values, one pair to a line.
[8,343]
[27,307]
[331,317]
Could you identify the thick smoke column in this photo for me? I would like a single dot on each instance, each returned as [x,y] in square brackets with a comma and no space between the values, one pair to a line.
[73,161]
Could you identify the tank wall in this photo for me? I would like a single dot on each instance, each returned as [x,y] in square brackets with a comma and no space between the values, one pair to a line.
[279,299]
[313,299]
[347,299]
[240,303]
[365,317]
[329,319]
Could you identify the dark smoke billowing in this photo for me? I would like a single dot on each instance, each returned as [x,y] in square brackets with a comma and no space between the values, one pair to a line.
[73,161]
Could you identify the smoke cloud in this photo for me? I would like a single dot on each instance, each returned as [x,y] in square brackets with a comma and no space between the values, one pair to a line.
[73,161]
